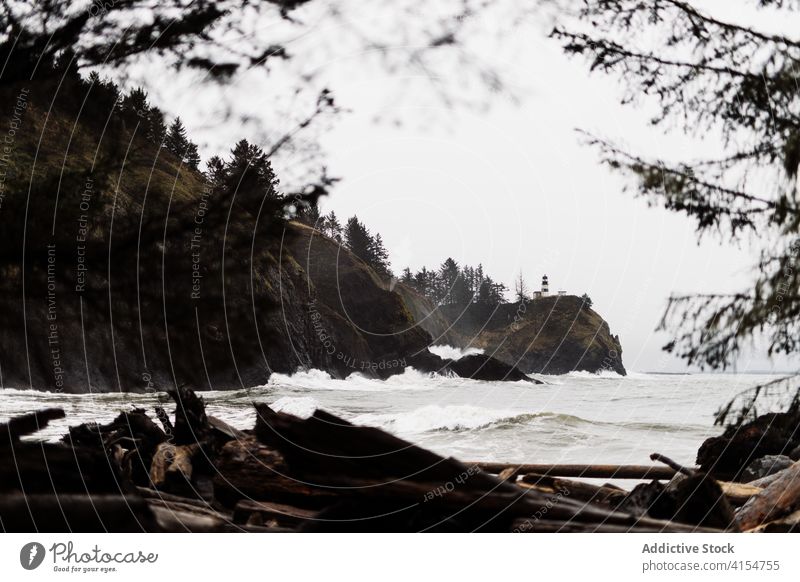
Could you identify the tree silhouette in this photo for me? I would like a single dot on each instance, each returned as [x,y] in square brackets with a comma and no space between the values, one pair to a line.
[710,75]
[521,291]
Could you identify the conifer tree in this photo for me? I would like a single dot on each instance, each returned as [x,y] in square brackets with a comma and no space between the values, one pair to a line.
[379,257]
[333,227]
[176,141]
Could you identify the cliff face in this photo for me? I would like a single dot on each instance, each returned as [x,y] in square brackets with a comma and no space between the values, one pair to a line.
[551,335]
[121,270]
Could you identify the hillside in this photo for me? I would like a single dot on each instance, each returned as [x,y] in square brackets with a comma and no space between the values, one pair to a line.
[123,269]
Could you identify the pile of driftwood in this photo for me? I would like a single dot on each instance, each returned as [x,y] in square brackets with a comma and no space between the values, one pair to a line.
[193,472]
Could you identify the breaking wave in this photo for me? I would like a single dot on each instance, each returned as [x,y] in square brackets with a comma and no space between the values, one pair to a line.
[457,417]
[452,353]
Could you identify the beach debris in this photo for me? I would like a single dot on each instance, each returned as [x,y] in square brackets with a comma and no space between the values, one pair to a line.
[582,471]
[27,424]
[777,500]
[193,472]
[728,455]
[765,466]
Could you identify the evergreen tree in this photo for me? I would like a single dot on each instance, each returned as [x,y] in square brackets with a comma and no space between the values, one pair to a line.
[407,278]
[358,239]
[310,215]
[156,126]
[216,172]
[379,257]
[332,227]
[135,107]
[192,156]
[710,75]
[249,176]
[176,141]
[521,291]
[485,292]
[448,274]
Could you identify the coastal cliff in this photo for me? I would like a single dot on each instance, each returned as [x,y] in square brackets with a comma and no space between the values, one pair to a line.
[548,335]
[123,269]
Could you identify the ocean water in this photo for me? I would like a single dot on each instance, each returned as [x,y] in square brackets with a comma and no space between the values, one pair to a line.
[573,418]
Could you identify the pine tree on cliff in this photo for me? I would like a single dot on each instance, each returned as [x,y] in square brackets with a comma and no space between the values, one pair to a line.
[358,239]
[192,157]
[332,227]
[407,278]
[448,276]
[379,257]
[216,173]
[485,291]
[156,126]
[469,280]
[249,177]
[521,291]
[135,108]
[713,76]
[421,282]
[105,98]
[311,216]
[177,141]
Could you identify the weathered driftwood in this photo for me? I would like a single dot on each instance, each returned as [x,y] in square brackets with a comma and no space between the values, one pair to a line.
[224,430]
[48,468]
[787,524]
[261,512]
[697,500]
[75,513]
[325,474]
[162,460]
[376,474]
[27,424]
[779,498]
[191,422]
[726,456]
[739,493]
[178,476]
[764,481]
[585,471]
[133,431]
[556,526]
[248,469]
[574,489]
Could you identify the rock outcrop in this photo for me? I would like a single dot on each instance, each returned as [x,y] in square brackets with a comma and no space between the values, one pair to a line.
[550,335]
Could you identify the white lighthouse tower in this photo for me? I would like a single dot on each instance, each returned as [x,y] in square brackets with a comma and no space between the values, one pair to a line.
[545,286]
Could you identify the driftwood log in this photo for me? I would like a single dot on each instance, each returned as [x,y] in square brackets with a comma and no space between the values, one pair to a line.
[583,471]
[199,474]
[780,498]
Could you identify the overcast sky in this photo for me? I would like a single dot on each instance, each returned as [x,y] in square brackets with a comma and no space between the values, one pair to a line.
[512,186]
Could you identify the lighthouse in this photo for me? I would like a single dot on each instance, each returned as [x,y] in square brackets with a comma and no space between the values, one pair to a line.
[545,286]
